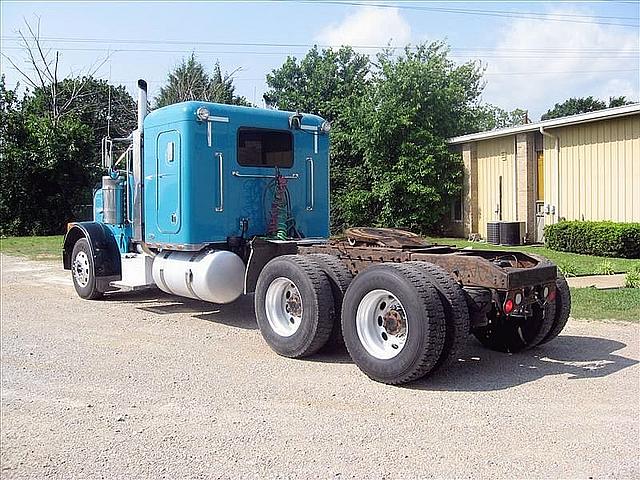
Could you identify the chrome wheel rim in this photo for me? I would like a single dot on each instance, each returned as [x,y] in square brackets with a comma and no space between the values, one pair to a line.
[81,269]
[283,306]
[381,324]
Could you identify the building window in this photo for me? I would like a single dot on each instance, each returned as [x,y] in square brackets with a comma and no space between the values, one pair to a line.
[259,147]
[456,209]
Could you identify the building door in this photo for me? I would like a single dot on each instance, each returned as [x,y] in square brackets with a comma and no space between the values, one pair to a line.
[540,198]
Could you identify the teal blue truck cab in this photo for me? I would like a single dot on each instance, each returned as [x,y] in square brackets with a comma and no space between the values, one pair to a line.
[210,201]
[207,170]
[204,181]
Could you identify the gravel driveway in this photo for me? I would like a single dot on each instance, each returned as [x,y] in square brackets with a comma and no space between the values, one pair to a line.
[149,386]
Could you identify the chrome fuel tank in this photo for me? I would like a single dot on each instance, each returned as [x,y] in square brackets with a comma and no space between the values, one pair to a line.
[214,276]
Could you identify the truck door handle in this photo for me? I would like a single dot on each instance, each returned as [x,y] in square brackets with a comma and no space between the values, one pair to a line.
[311,184]
[220,206]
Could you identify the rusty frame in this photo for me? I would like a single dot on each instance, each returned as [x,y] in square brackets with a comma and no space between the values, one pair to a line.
[476,268]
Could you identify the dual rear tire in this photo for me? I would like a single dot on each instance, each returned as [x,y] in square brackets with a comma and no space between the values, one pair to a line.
[517,333]
[398,321]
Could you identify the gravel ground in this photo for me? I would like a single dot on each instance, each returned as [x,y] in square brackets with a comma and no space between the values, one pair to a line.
[149,386]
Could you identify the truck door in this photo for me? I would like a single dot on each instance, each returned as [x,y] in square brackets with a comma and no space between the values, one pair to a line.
[168,160]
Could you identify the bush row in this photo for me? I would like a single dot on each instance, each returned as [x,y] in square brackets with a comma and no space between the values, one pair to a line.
[605,239]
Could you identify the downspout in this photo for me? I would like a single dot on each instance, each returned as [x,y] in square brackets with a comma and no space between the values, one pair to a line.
[557,148]
[515,178]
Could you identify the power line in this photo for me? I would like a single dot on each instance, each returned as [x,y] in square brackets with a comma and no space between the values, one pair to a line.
[489,13]
[103,41]
[396,5]
[617,55]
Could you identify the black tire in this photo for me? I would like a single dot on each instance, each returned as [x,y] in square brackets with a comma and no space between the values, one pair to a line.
[563,309]
[315,298]
[456,311]
[340,278]
[513,333]
[83,271]
[424,316]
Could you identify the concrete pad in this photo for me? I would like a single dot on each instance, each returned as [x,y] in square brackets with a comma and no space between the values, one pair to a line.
[597,281]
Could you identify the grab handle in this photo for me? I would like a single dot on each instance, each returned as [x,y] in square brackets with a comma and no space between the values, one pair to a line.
[220,206]
[310,204]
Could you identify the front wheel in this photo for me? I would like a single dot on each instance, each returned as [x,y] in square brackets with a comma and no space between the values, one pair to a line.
[83,271]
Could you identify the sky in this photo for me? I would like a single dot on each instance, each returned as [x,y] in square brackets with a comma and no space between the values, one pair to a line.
[536,54]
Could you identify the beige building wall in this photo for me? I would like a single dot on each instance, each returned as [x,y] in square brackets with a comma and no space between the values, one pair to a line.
[599,171]
[495,159]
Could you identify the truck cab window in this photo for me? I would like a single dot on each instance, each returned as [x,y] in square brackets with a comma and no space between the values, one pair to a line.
[258,147]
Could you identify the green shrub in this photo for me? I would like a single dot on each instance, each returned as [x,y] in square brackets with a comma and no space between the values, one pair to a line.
[632,278]
[567,269]
[604,239]
[605,267]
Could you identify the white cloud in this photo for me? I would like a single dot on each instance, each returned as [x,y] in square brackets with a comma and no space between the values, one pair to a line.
[594,57]
[367,26]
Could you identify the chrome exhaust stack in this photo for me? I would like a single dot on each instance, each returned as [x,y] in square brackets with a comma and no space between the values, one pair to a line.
[142,102]
[138,173]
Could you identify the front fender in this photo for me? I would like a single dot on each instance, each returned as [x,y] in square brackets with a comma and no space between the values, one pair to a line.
[104,248]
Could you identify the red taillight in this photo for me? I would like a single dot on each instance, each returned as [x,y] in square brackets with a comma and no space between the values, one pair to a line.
[552,295]
[508,306]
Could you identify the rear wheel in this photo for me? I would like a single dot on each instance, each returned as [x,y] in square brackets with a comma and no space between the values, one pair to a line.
[563,309]
[514,333]
[83,271]
[294,306]
[393,323]
[339,278]
[456,311]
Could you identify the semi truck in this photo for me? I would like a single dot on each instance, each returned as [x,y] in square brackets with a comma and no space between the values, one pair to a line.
[211,202]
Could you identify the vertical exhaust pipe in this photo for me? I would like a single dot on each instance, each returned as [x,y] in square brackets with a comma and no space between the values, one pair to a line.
[142,102]
[138,170]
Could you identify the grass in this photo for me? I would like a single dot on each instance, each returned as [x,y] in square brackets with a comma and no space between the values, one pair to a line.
[571,264]
[35,248]
[617,304]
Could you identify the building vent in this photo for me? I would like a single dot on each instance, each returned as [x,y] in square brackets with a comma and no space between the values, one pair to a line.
[511,233]
[493,233]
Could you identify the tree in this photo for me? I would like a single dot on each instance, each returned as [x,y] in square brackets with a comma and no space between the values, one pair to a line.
[619,101]
[104,108]
[573,106]
[190,81]
[45,78]
[490,117]
[417,100]
[329,83]
[46,171]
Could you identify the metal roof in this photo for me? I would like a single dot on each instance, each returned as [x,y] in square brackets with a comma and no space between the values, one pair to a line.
[553,123]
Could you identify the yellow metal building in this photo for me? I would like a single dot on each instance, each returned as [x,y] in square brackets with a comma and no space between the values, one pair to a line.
[581,167]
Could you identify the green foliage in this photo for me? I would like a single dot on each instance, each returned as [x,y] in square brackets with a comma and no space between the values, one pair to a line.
[567,269]
[632,278]
[190,81]
[605,267]
[490,117]
[329,83]
[574,106]
[390,163]
[52,159]
[606,239]
[416,101]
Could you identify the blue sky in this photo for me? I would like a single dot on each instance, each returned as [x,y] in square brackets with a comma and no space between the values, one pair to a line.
[532,59]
